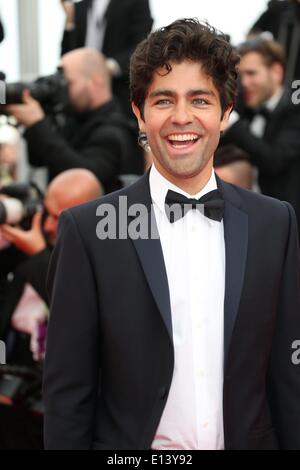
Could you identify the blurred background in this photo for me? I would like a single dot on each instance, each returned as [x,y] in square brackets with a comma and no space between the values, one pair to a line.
[34,28]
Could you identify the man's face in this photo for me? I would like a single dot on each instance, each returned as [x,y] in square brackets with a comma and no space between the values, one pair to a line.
[78,87]
[182,120]
[259,81]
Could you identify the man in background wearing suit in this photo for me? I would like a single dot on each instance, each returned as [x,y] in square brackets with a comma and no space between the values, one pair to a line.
[268,127]
[113,27]
[182,337]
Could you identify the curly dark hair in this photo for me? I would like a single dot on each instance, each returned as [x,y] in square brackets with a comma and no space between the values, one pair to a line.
[185,39]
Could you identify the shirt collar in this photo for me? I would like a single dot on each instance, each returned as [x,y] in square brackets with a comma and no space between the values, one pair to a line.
[159,186]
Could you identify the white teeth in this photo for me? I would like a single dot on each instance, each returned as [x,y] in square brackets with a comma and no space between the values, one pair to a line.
[183,137]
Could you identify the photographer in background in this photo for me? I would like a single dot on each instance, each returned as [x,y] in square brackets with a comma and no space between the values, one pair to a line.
[24,291]
[114,27]
[267,127]
[96,135]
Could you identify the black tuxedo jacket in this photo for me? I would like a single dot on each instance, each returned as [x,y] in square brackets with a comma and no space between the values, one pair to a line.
[277,153]
[110,354]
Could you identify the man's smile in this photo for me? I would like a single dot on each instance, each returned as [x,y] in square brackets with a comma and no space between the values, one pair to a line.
[182,141]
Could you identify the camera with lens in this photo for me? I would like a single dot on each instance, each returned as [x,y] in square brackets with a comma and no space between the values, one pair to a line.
[50,91]
[19,203]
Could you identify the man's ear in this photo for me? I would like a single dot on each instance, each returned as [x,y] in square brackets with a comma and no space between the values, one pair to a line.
[139,117]
[225,117]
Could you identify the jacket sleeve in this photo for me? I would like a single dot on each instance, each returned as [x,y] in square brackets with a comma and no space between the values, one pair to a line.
[72,358]
[270,157]
[101,153]
[138,27]
[262,23]
[284,374]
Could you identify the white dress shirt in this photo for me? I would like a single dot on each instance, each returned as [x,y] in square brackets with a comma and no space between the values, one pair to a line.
[194,254]
[96,24]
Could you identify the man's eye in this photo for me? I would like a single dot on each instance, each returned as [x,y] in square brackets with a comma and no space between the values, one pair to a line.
[200,101]
[163,102]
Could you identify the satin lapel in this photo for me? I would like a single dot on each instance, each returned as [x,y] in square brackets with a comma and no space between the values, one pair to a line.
[236,246]
[150,252]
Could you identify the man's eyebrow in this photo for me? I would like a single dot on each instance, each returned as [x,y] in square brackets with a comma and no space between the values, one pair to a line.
[201,91]
[172,94]
[161,92]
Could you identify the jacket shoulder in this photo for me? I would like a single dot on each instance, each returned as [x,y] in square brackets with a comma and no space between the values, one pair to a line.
[260,207]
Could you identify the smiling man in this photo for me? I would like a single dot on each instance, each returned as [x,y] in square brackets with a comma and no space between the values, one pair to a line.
[182,341]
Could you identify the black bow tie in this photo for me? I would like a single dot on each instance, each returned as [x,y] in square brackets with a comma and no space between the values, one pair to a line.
[211,205]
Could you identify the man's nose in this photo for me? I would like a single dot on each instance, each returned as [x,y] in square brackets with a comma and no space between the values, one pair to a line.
[182,115]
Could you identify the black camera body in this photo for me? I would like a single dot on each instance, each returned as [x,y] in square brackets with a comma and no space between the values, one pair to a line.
[22,201]
[50,91]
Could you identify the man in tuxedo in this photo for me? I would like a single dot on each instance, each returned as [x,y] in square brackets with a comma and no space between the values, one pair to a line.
[183,335]
[267,128]
[1,31]
[113,27]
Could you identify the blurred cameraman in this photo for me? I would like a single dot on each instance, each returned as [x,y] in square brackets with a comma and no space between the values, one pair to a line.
[23,265]
[95,136]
